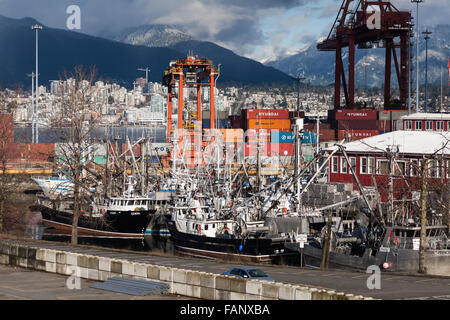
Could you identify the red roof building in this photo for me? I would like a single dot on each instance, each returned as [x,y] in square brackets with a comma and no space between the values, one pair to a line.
[369,158]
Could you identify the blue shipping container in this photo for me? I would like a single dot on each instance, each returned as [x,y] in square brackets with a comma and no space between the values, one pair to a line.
[220,124]
[282,137]
[288,137]
[309,137]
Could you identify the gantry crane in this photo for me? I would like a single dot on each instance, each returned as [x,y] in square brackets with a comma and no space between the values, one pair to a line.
[189,72]
[370,24]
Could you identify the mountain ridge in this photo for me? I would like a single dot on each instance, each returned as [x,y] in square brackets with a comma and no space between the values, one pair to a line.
[61,50]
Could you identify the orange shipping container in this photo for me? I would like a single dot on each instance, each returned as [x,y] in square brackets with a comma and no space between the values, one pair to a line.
[269,124]
[232,135]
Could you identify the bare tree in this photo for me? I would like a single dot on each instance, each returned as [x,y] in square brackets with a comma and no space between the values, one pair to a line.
[7,151]
[74,117]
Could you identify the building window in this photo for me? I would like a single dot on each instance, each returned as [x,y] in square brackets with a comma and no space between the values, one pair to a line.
[343,165]
[353,163]
[432,169]
[439,125]
[371,168]
[334,165]
[418,125]
[408,125]
[429,125]
[363,168]
[399,168]
[441,169]
[414,168]
[448,169]
[383,167]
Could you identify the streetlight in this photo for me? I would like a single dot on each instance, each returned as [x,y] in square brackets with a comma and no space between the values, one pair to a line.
[298,79]
[417,52]
[36,122]
[426,33]
[32,75]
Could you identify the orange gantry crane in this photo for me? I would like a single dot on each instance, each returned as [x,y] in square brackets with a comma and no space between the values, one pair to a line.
[189,72]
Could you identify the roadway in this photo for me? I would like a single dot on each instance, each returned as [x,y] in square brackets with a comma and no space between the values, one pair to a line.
[393,286]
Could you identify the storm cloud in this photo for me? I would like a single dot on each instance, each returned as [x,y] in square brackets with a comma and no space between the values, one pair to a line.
[238,25]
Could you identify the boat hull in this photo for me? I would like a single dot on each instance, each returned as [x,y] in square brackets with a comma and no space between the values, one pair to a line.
[402,260]
[131,224]
[253,249]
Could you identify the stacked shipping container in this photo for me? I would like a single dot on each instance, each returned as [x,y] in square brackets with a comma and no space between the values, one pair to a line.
[355,124]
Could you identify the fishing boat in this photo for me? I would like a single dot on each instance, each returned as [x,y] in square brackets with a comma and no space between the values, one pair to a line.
[196,230]
[126,216]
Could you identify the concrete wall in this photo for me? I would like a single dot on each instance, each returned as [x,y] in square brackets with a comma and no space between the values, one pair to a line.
[183,282]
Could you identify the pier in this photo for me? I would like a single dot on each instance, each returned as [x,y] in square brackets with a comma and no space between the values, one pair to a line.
[201,278]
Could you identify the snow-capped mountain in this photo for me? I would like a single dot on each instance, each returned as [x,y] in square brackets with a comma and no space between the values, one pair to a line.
[153,35]
[318,66]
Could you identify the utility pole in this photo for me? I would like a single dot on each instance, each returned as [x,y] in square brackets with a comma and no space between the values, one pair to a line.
[299,80]
[423,216]
[36,118]
[426,33]
[417,53]
[442,97]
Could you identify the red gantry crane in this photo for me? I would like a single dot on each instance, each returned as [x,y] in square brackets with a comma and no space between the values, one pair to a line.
[371,24]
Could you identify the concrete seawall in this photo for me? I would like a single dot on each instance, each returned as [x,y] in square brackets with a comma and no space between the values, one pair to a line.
[184,282]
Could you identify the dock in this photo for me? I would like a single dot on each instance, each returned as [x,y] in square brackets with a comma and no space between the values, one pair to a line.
[183,275]
[202,278]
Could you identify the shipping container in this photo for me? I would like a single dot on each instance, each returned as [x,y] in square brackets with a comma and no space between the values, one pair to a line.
[282,149]
[281,137]
[251,149]
[331,115]
[327,135]
[220,123]
[309,137]
[296,114]
[224,135]
[345,114]
[229,135]
[352,135]
[357,124]
[255,135]
[312,126]
[269,124]
[267,114]
[160,149]
[236,122]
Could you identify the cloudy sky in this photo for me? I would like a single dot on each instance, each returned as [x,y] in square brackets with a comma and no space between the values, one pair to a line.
[258,29]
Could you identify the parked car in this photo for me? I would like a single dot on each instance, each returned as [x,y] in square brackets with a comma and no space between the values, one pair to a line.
[248,273]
